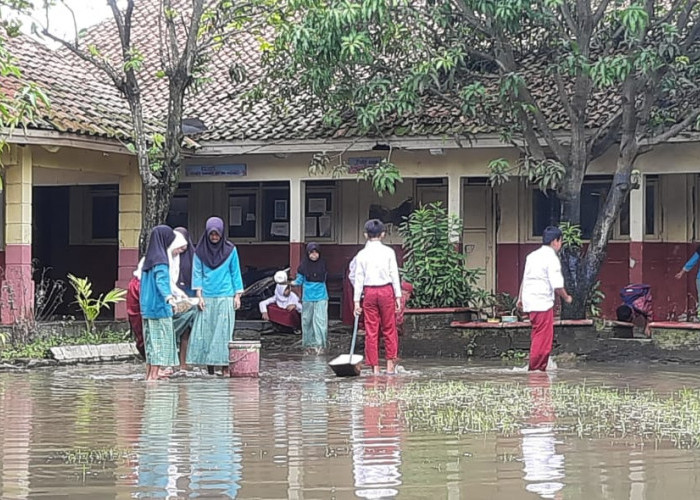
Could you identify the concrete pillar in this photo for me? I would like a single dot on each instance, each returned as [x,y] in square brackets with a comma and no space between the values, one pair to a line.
[454,200]
[17,287]
[130,206]
[297,189]
[636,249]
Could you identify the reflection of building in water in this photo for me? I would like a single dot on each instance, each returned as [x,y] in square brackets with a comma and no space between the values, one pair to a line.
[544,468]
[377,445]
[15,433]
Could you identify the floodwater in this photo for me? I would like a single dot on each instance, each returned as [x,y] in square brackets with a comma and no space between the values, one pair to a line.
[297,432]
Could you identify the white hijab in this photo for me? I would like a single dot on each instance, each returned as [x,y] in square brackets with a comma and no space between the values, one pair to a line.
[174,264]
[139,269]
[283,301]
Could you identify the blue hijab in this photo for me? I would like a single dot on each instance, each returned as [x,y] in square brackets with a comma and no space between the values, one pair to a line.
[213,255]
[157,252]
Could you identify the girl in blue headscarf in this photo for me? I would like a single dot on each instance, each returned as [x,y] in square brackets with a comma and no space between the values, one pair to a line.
[311,276]
[217,281]
[157,301]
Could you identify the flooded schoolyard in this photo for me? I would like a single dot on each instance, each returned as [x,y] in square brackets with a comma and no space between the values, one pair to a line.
[442,429]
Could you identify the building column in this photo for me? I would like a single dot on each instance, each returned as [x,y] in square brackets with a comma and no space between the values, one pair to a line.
[297,189]
[454,200]
[636,249]
[130,206]
[17,287]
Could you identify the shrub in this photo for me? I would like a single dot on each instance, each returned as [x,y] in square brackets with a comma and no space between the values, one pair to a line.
[432,260]
[91,307]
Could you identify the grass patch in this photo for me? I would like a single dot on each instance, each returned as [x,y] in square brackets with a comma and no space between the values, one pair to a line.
[39,348]
[578,409]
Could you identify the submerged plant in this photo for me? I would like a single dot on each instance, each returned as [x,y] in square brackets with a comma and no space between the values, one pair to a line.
[580,410]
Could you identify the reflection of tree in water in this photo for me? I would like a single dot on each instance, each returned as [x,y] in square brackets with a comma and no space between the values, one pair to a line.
[377,443]
[544,468]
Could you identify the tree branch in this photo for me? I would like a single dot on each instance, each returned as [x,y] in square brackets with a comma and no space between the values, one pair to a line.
[564,96]
[605,136]
[102,64]
[676,129]
[600,11]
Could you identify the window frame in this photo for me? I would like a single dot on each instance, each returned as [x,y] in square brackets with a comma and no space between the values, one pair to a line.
[259,191]
[531,237]
[655,181]
[80,213]
[332,191]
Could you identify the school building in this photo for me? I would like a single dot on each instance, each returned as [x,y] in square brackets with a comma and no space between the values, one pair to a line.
[72,195]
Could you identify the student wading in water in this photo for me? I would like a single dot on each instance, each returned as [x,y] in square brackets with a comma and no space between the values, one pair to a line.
[311,276]
[216,278]
[542,281]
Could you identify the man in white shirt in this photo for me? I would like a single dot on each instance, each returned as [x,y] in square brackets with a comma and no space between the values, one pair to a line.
[377,276]
[542,280]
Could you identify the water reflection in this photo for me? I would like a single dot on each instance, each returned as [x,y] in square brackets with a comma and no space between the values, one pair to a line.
[188,445]
[544,467]
[15,433]
[376,438]
[299,432]
[214,446]
[155,476]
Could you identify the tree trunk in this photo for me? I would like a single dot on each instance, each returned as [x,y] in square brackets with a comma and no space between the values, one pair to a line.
[157,205]
[570,196]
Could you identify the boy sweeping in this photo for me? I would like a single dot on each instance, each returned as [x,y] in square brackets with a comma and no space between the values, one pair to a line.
[377,277]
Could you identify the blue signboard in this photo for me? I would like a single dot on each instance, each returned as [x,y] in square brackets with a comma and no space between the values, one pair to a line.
[360,163]
[235,169]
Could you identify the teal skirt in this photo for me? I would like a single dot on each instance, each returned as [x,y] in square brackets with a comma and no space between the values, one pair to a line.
[212,330]
[183,322]
[160,342]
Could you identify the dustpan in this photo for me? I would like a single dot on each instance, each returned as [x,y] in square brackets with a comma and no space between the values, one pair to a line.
[348,365]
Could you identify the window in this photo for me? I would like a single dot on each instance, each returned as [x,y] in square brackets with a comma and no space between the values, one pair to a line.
[104,213]
[546,209]
[259,211]
[178,215]
[319,214]
[651,212]
[275,214]
[242,215]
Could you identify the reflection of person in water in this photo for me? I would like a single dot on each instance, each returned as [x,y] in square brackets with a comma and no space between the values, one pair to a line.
[544,468]
[377,445]
[215,449]
[153,468]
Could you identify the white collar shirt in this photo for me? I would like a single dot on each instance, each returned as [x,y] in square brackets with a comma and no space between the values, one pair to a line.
[375,265]
[541,278]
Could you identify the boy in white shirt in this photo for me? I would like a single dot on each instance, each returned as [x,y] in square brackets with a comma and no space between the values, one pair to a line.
[542,281]
[377,276]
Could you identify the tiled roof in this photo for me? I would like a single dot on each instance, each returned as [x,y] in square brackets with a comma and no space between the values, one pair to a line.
[80,102]
[85,101]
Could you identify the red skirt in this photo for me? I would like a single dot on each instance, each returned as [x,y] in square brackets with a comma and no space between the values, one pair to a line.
[290,319]
[133,311]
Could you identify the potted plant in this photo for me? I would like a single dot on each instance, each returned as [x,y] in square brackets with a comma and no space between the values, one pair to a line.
[508,307]
[485,303]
